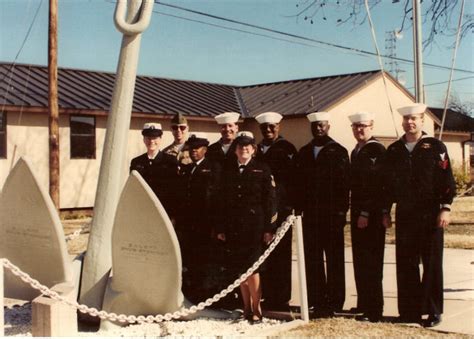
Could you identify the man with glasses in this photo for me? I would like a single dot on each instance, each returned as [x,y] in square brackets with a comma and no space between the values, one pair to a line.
[180,130]
[367,229]
[323,197]
[420,181]
[223,151]
[278,154]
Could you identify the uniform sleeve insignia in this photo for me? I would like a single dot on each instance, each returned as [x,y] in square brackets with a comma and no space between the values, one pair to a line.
[257,171]
[443,164]
[425,145]
[205,170]
[274,218]
[273,181]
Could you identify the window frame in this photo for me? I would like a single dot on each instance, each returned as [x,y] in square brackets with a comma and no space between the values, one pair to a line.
[75,135]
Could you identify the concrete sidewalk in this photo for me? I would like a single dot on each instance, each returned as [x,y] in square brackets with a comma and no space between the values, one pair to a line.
[458,288]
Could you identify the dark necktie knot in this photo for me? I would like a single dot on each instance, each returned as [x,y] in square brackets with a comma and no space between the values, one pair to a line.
[242,166]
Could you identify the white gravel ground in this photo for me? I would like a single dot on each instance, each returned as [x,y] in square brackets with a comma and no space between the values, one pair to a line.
[18,323]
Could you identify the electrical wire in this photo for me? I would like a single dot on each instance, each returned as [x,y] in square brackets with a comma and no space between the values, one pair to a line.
[379,59]
[337,46]
[452,69]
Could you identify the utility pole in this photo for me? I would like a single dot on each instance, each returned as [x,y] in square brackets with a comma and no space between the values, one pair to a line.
[418,52]
[53,103]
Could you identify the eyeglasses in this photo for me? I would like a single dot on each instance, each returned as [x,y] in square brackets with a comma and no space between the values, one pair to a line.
[180,127]
[362,126]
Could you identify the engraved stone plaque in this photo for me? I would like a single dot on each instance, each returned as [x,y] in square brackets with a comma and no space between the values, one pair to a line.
[31,234]
[146,258]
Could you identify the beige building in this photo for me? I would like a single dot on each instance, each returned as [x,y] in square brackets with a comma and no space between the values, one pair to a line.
[84,99]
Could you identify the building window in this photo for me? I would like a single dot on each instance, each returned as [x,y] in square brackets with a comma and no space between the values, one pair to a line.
[3,135]
[82,137]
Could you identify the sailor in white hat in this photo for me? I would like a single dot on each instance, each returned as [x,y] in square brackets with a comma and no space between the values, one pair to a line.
[367,231]
[323,175]
[278,154]
[420,181]
[158,169]
[222,150]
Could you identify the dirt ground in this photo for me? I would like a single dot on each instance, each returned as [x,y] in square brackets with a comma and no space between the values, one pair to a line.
[458,235]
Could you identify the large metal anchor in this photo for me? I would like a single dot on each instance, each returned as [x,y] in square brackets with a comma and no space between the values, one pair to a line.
[98,261]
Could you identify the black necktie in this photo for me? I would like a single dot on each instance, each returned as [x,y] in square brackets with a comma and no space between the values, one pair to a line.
[241,168]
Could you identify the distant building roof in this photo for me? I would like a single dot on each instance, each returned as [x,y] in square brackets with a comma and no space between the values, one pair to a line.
[92,90]
[454,122]
[303,96]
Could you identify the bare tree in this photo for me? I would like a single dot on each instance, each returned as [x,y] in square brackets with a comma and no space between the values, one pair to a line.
[437,15]
[463,107]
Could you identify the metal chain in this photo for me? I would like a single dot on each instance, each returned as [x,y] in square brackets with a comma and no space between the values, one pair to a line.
[281,231]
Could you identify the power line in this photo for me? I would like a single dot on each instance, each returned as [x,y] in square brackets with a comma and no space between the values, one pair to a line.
[337,46]
[444,82]
[24,42]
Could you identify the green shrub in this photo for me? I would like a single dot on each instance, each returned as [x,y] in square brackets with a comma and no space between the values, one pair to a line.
[461,177]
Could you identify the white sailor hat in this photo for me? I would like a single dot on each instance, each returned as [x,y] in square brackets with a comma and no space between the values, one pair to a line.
[244,138]
[197,139]
[152,129]
[227,118]
[269,118]
[318,116]
[361,117]
[416,108]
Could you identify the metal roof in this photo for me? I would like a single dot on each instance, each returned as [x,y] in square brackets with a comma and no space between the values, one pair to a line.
[455,121]
[303,96]
[27,86]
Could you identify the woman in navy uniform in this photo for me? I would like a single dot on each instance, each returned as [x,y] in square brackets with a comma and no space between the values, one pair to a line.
[367,230]
[420,181]
[323,197]
[159,170]
[249,198]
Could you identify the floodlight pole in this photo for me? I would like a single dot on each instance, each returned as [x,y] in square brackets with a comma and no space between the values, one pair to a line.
[418,52]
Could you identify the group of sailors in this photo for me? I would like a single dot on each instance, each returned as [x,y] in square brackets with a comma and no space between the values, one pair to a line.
[227,199]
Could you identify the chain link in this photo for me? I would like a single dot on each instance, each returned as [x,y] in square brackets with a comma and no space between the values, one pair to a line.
[281,231]
[73,235]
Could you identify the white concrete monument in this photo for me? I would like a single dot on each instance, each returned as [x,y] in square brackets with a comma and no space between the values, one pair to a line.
[146,258]
[31,234]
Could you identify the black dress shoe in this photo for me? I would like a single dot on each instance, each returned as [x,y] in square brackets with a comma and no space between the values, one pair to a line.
[433,320]
[375,318]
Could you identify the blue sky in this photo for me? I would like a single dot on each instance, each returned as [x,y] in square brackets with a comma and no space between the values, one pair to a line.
[183,49]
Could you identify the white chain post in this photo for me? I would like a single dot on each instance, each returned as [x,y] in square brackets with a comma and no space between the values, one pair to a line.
[2,319]
[301,270]
[131,319]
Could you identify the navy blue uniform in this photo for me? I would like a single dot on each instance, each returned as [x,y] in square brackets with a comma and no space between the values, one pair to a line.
[248,202]
[368,243]
[197,217]
[215,153]
[161,174]
[323,197]
[276,278]
[420,183]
